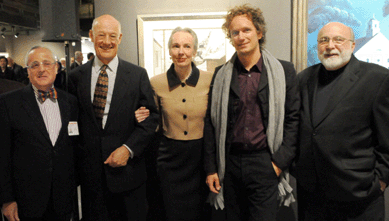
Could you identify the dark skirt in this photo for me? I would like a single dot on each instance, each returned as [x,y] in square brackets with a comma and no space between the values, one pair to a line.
[182,180]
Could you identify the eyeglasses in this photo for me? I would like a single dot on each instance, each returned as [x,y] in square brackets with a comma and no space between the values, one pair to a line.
[336,40]
[46,65]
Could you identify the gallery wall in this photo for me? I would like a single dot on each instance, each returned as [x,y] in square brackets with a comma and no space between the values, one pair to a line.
[277,15]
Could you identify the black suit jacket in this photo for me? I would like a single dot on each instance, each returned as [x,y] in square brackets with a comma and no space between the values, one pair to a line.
[132,90]
[31,168]
[19,74]
[285,154]
[347,152]
[7,74]
[74,65]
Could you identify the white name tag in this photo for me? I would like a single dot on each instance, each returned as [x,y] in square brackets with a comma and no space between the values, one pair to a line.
[73,128]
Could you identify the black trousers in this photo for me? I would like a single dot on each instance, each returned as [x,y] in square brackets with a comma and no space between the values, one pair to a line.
[313,206]
[250,186]
[49,215]
[107,206]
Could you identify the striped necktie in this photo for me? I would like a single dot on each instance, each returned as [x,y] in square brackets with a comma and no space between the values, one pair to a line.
[100,97]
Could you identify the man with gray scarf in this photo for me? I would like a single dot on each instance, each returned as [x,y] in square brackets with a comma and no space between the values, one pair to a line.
[250,130]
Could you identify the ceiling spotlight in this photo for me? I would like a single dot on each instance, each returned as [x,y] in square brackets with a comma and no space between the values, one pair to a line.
[17,35]
[3,29]
[2,35]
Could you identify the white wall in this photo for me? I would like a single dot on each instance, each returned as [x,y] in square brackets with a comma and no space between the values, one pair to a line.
[277,16]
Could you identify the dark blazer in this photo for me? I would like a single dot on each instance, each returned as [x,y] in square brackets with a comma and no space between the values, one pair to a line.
[347,152]
[7,74]
[284,156]
[31,168]
[19,73]
[132,90]
[73,65]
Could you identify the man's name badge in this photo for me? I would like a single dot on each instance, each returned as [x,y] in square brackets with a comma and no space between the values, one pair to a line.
[73,128]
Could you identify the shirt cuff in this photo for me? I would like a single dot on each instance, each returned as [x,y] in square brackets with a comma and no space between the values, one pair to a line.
[131,152]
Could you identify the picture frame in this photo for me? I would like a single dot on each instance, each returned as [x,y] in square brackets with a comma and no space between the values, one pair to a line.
[369,21]
[299,34]
[214,48]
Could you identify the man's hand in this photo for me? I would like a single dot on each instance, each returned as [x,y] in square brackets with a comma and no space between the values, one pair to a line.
[383,185]
[10,211]
[141,114]
[119,157]
[276,169]
[213,182]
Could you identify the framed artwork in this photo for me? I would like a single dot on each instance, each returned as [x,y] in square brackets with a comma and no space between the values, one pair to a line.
[214,48]
[368,19]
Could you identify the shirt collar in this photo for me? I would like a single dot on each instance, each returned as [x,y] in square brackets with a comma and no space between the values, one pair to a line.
[173,80]
[256,68]
[112,65]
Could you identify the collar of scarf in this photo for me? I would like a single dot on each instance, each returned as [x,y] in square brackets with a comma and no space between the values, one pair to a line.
[275,127]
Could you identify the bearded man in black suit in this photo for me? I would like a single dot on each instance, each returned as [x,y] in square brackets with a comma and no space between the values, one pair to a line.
[342,168]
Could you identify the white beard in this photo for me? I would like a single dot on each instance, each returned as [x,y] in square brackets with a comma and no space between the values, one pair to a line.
[335,63]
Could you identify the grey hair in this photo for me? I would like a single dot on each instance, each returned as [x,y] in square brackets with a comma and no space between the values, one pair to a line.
[188,30]
[77,54]
[36,47]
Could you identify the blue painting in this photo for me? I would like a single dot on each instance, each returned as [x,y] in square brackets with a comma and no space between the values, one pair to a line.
[368,18]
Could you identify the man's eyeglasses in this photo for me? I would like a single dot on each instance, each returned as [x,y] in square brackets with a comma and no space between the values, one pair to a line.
[46,65]
[336,40]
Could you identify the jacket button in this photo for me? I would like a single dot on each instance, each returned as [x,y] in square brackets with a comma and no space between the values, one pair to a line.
[183,100]
[185,116]
[185,132]
[182,84]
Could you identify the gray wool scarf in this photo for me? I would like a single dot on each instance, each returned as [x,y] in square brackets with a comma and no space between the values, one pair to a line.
[275,128]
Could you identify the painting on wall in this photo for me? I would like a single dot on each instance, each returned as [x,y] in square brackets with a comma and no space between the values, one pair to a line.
[368,19]
[214,48]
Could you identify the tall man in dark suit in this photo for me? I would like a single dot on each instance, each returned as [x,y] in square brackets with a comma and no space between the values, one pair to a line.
[109,90]
[36,154]
[251,125]
[342,168]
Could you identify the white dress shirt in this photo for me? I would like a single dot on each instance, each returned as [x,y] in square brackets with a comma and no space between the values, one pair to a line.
[111,71]
[51,115]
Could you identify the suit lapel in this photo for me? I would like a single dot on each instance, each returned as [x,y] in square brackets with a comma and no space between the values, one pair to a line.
[119,90]
[65,111]
[263,83]
[347,80]
[84,92]
[235,82]
[32,109]
[311,91]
